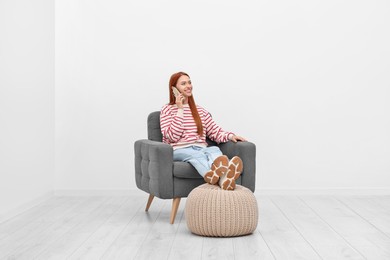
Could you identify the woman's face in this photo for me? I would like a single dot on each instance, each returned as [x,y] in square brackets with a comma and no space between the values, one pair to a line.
[184,85]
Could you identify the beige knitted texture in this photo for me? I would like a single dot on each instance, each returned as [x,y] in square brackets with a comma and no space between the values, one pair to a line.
[212,211]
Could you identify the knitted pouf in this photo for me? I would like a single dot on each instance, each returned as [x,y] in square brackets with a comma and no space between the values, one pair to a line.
[214,212]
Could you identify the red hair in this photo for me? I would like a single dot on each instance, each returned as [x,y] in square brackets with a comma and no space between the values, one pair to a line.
[191,102]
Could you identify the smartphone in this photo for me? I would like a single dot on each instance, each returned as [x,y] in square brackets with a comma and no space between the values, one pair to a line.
[176,92]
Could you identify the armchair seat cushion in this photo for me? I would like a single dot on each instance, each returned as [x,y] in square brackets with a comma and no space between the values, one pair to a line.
[185,170]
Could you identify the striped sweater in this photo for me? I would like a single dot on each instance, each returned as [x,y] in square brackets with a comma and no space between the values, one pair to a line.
[178,127]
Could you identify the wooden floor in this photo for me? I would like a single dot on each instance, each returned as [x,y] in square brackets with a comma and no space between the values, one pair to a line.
[290,227]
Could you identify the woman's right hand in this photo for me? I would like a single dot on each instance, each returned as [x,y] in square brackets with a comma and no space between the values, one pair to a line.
[179,100]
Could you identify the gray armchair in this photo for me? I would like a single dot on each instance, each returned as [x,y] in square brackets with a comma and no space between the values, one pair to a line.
[157,174]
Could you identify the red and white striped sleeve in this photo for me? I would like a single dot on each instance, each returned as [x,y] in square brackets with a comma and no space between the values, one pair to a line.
[213,131]
[171,122]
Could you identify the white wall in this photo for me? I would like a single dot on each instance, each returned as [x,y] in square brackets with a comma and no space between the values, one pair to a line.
[26,102]
[306,81]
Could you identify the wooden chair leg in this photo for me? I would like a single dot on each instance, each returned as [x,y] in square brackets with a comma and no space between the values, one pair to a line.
[149,202]
[175,206]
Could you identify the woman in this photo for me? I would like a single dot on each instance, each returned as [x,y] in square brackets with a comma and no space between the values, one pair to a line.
[185,126]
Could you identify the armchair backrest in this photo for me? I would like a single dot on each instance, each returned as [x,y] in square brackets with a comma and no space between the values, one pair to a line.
[154,129]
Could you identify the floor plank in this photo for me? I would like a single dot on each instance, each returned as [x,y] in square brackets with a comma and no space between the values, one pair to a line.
[99,242]
[251,246]
[158,242]
[77,233]
[283,239]
[29,235]
[326,242]
[18,222]
[360,234]
[127,244]
[185,244]
[217,248]
[375,210]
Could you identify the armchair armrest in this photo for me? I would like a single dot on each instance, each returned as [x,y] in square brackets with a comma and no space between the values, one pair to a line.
[247,152]
[154,168]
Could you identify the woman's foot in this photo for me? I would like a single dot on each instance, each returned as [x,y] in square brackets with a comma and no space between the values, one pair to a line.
[218,168]
[228,180]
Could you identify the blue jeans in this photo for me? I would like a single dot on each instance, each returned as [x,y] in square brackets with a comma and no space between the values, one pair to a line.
[200,157]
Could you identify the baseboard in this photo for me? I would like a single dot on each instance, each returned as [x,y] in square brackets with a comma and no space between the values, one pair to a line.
[325,191]
[128,192]
[26,206]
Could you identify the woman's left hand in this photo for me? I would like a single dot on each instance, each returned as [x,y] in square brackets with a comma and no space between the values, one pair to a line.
[236,138]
